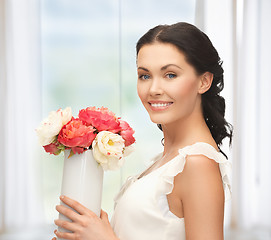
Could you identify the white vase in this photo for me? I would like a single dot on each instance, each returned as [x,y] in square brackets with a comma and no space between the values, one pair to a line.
[82,181]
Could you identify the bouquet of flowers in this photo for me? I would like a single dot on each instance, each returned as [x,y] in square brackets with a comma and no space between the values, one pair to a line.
[94,141]
[98,129]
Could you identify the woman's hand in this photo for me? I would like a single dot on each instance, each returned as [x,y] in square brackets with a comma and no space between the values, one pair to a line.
[84,226]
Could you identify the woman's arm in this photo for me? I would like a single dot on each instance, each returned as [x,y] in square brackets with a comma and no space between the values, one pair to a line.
[85,225]
[201,190]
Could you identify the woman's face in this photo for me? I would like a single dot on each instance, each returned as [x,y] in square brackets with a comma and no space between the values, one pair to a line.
[167,85]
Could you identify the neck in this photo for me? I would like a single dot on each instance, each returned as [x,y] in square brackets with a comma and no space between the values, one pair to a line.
[186,131]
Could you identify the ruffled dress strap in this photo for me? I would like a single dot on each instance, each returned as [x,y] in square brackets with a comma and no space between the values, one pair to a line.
[200,148]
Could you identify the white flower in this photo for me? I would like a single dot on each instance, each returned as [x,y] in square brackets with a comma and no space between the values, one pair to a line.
[50,127]
[108,150]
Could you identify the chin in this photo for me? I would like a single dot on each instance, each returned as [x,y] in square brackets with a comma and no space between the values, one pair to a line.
[167,119]
[160,121]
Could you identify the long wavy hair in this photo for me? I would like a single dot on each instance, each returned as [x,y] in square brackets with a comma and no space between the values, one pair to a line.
[201,54]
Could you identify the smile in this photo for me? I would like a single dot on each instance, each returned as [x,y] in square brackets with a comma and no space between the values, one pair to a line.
[160,106]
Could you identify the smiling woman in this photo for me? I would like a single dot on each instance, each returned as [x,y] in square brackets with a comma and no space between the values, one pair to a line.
[182,194]
[179,75]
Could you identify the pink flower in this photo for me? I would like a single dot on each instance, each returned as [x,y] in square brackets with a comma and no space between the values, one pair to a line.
[126,133]
[52,148]
[101,118]
[76,134]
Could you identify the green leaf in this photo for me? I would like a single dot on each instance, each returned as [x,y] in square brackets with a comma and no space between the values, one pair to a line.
[58,152]
[71,154]
[61,147]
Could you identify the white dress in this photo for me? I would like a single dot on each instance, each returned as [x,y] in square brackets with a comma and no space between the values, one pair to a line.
[141,210]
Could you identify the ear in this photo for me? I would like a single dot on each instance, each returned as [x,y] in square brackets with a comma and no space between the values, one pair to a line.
[205,83]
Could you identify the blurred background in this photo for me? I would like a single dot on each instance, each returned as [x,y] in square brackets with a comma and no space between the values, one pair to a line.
[59,53]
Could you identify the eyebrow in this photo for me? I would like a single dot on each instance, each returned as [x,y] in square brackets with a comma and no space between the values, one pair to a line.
[145,69]
[162,68]
[168,65]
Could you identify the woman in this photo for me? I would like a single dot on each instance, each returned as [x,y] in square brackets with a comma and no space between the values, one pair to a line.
[181,195]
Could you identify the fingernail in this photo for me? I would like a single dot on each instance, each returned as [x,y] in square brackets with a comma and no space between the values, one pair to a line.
[55,231]
[61,197]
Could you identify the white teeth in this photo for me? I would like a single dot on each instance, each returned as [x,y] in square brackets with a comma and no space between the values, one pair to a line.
[160,104]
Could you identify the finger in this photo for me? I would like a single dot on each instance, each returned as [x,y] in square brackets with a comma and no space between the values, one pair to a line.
[76,205]
[104,216]
[53,238]
[64,235]
[65,224]
[69,213]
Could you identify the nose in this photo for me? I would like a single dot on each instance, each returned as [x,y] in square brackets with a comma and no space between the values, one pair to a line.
[156,88]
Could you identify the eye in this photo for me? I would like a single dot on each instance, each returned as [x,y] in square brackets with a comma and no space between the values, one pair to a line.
[171,75]
[144,77]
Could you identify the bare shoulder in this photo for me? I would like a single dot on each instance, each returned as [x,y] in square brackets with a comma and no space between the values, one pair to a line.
[200,189]
[200,169]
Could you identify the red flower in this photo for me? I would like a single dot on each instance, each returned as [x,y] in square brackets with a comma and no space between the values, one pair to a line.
[127,133]
[101,118]
[52,148]
[78,150]
[76,134]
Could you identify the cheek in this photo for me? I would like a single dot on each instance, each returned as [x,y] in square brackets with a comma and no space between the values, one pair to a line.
[185,90]
[140,91]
